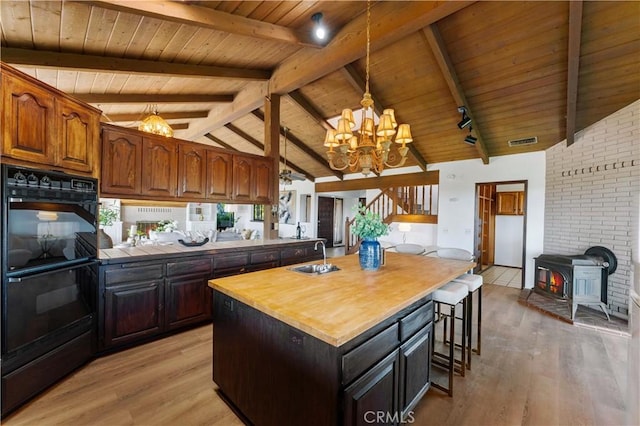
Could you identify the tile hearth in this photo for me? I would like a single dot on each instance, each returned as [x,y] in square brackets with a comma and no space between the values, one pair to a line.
[585,316]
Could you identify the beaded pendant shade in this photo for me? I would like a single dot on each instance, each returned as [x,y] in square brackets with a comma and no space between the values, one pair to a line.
[156,125]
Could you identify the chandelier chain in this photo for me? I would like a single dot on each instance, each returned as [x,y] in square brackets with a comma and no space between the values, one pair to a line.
[368,44]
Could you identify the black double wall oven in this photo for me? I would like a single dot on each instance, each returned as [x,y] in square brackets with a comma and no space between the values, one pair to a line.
[49,278]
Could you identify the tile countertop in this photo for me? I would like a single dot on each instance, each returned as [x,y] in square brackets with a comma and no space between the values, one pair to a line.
[336,307]
[114,255]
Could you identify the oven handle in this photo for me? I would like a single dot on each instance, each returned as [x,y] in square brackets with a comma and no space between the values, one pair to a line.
[67,266]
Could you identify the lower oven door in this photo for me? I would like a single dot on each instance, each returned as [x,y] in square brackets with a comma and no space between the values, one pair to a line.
[44,310]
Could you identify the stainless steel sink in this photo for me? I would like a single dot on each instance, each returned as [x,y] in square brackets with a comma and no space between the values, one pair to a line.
[316,268]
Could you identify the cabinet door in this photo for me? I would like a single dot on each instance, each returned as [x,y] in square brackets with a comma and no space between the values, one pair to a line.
[507,203]
[159,167]
[121,163]
[28,121]
[375,392]
[415,365]
[187,301]
[263,181]
[192,171]
[77,136]
[132,311]
[219,175]
[242,188]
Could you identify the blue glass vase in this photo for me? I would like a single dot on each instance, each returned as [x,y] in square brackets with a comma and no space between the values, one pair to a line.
[370,254]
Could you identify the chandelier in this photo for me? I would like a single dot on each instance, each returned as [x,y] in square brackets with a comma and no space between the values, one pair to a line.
[156,125]
[368,148]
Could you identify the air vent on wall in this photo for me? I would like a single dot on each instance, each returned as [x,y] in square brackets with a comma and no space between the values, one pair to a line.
[523,141]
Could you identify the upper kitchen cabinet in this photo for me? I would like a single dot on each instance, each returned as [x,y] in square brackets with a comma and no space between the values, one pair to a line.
[192,170]
[43,126]
[159,167]
[121,162]
[252,180]
[510,203]
[145,166]
[219,175]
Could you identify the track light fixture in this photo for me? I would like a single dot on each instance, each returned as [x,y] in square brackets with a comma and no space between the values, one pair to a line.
[466,120]
[319,30]
[470,139]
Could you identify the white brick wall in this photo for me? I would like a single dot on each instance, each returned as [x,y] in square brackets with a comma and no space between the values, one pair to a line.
[589,195]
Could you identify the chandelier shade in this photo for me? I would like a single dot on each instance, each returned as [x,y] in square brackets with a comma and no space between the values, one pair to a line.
[156,125]
[367,148]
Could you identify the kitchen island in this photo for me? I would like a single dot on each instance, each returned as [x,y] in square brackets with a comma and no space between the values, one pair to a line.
[326,349]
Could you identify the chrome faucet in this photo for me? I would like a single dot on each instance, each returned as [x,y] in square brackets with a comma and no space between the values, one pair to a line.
[324,251]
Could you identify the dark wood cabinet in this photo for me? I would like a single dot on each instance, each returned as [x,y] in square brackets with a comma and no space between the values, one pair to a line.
[159,167]
[78,136]
[374,394]
[121,162]
[262,181]
[219,176]
[242,190]
[192,171]
[382,372]
[132,311]
[510,203]
[414,376]
[188,297]
[44,126]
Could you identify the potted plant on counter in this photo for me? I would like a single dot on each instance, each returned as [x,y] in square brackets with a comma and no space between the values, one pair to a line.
[368,226]
[106,217]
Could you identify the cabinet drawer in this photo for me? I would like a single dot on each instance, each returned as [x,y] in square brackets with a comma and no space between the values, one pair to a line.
[289,254]
[126,273]
[192,266]
[416,320]
[229,260]
[265,256]
[367,354]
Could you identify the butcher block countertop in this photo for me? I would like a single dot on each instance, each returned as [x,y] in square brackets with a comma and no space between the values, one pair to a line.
[337,306]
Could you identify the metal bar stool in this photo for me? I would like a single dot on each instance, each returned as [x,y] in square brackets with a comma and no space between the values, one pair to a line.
[451,294]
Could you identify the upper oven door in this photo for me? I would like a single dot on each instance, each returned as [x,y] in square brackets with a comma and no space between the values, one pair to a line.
[49,220]
[47,235]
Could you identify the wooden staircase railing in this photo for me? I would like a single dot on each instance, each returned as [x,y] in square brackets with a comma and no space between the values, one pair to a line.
[415,204]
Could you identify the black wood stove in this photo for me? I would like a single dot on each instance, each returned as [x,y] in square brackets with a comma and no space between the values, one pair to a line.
[579,279]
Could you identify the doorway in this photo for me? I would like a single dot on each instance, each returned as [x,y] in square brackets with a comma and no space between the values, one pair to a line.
[326,219]
[500,224]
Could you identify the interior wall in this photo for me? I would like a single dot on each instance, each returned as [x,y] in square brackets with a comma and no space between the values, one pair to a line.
[457,199]
[509,233]
[589,197]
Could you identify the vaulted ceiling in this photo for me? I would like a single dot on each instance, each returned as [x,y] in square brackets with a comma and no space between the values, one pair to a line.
[522,69]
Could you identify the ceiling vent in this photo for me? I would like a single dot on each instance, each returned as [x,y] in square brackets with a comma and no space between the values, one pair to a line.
[523,141]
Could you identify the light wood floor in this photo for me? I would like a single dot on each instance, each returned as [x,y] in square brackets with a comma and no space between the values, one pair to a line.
[534,370]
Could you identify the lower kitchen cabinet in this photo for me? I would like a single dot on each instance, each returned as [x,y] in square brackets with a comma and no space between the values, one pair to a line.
[415,380]
[132,311]
[188,301]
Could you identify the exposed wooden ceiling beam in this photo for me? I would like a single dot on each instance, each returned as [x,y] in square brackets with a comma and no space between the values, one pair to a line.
[434,40]
[573,66]
[209,18]
[82,62]
[302,146]
[358,82]
[253,141]
[411,179]
[176,126]
[166,115]
[349,44]
[299,99]
[220,142]
[139,98]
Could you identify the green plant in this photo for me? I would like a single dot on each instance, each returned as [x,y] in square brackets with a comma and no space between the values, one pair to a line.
[108,215]
[368,225]
[166,225]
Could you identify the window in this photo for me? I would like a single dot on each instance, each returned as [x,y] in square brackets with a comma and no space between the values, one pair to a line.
[258,213]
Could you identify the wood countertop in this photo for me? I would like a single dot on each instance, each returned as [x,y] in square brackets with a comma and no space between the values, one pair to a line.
[338,306]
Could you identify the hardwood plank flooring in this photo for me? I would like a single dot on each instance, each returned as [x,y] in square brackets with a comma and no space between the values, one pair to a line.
[534,370]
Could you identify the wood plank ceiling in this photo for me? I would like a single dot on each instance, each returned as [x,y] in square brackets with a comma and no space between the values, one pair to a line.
[522,69]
